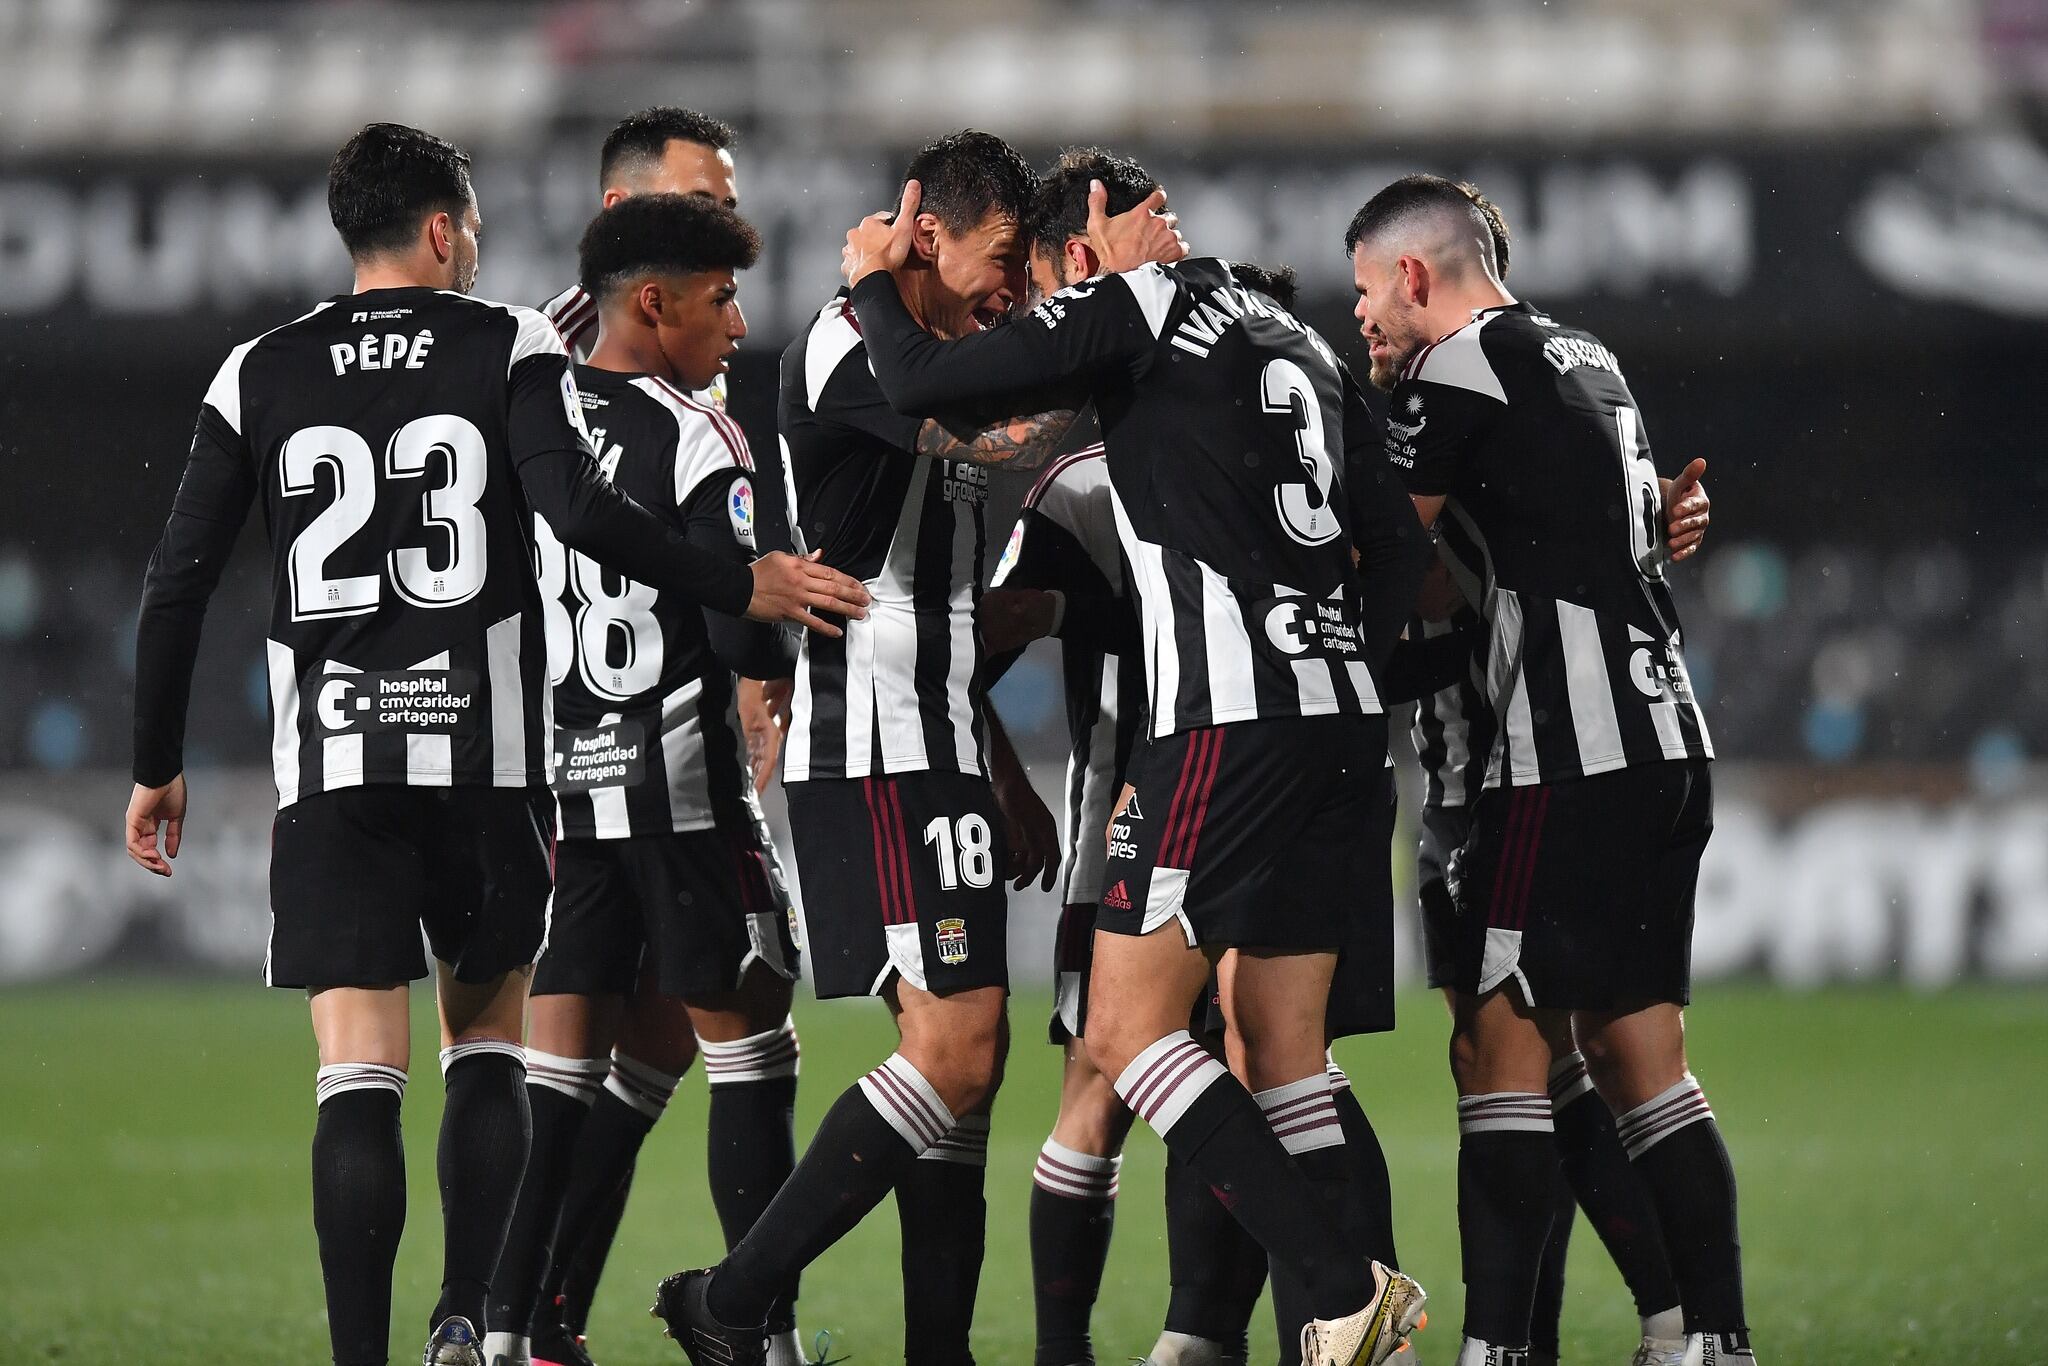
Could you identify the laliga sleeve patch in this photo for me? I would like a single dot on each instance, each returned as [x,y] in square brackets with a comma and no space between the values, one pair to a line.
[739,510]
[1010,553]
[572,404]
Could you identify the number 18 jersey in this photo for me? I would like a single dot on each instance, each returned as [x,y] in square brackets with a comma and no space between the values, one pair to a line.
[383,433]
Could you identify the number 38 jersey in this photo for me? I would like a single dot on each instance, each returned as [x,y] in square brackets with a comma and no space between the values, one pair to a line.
[383,433]
[1553,524]
[646,729]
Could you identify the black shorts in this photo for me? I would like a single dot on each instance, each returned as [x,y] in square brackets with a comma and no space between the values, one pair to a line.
[696,909]
[1249,834]
[1443,834]
[901,874]
[356,873]
[1581,892]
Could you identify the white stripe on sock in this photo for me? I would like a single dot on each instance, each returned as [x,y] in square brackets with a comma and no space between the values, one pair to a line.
[1301,1114]
[758,1057]
[337,1077]
[647,1089]
[1076,1175]
[902,1096]
[579,1079]
[1661,1116]
[1169,1076]
[1505,1112]
[477,1048]
[1568,1080]
[1338,1081]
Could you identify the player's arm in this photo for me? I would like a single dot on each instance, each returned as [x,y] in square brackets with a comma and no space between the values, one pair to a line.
[562,482]
[212,502]
[752,649]
[1422,665]
[1390,542]
[1017,443]
[1031,834]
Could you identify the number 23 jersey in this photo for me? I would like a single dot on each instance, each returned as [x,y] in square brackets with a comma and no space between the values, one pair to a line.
[1553,525]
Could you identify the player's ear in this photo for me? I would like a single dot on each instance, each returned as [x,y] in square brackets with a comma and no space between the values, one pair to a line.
[1415,280]
[441,235]
[652,302]
[1082,257]
[924,236]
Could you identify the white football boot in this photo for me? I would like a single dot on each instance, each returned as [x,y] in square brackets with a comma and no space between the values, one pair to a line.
[1374,1333]
[1718,1349]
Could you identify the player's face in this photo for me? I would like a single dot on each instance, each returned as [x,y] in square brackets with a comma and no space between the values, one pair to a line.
[463,249]
[701,326]
[980,274]
[1389,321]
[693,168]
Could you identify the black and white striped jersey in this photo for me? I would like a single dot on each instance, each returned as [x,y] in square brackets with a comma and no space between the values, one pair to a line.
[1244,467]
[574,314]
[1453,733]
[646,728]
[1065,541]
[900,691]
[1553,524]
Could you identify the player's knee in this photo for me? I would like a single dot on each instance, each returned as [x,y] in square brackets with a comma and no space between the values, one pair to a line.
[964,1064]
[1465,1060]
[1093,1118]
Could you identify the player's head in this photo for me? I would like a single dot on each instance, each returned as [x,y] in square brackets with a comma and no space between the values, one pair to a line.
[398,194]
[661,268]
[667,150]
[1278,283]
[1058,224]
[1424,252]
[969,243]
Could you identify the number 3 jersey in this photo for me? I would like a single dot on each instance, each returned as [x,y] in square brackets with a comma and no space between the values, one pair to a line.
[1553,524]
[646,731]
[383,433]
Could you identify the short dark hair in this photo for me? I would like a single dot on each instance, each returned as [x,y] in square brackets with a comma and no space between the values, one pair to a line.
[666,234]
[645,136]
[389,177]
[1059,210]
[966,175]
[1278,283]
[1413,193]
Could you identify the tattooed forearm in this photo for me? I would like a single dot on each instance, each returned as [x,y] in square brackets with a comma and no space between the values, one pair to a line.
[1020,443]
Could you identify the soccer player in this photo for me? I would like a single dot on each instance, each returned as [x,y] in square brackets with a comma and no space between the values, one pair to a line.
[1237,459]
[905,800]
[397,436]
[1574,886]
[668,895]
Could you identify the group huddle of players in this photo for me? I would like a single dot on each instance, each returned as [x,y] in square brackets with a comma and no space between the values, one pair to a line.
[531,659]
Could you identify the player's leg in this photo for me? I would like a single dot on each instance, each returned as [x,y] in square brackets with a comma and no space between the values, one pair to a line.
[487,855]
[1073,1207]
[359,1161]
[1617,1203]
[347,884]
[1546,1308]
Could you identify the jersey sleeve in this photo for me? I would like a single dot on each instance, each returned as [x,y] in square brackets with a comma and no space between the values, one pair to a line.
[1100,330]
[1392,546]
[207,514]
[852,399]
[543,413]
[1447,398]
[718,517]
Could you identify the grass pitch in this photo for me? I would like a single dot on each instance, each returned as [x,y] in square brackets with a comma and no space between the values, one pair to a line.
[153,1154]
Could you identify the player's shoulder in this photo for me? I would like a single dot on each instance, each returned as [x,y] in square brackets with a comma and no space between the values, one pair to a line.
[224,394]
[1074,475]
[1473,357]
[707,442]
[573,312]
[533,332]
[821,350]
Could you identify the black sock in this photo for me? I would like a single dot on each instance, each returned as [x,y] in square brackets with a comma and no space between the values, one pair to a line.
[1217,1268]
[867,1144]
[574,1273]
[1609,1189]
[358,1204]
[559,1099]
[1507,1170]
[485,1132]
[750,1151]
[1073,1210]
[1303,1115]
[1330,1170]
[1212,1123]
[1546,1312]
[1371,1193]
[943,1209]
[605,1153]
[1676,1145]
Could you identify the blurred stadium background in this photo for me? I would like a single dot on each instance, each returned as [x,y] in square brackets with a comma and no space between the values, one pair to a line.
[1816,232]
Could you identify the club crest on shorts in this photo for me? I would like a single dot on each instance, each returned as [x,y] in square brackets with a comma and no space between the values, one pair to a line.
[951,936]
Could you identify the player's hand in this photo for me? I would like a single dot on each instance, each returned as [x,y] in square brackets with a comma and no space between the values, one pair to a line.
[1135,237]
[1687,510]
[1439,598]
[156,824]
[1012,618]
[764,720]
[883,240]
[1029,830]
[790,589]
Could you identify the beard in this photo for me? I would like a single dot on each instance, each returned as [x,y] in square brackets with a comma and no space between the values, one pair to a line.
[1387,373]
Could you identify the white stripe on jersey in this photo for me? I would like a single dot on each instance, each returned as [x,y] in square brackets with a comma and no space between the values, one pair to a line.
[1515,751]
[1162,657]
[960,635]
[508,709]
[608,804]
[284,710]
[892,638]
[341,756]
[832,336]
[430,759]
[224,394]
[1591,691]
[1232,693]
[680,743]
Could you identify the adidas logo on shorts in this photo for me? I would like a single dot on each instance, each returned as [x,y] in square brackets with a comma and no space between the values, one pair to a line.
[1117,898]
